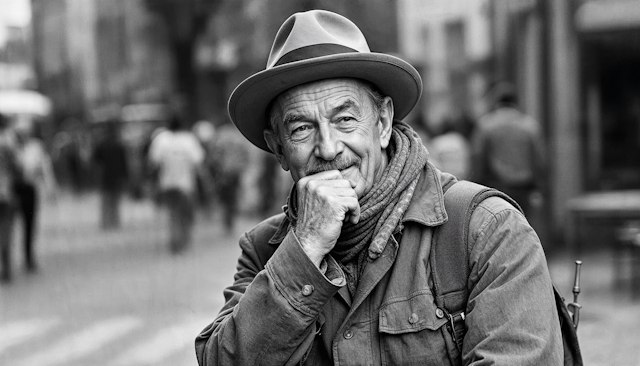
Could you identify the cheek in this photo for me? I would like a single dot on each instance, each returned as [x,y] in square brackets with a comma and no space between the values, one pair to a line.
[375,164]
[298,160]
[370,157]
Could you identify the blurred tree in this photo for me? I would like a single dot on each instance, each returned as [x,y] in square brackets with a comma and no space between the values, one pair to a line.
[186,20]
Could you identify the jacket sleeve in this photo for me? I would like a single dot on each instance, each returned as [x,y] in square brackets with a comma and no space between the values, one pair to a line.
[270,313]
[511,314]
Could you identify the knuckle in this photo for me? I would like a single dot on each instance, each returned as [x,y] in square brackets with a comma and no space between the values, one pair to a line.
[302,183]
[313,186]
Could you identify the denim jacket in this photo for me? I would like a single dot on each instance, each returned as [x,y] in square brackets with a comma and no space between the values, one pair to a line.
[283,310]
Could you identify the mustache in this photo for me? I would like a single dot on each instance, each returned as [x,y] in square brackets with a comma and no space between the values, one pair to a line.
[319,165]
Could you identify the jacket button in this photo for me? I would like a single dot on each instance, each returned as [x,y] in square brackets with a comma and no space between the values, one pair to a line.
[413,318]
[348,334]
[307,290]
[439,313]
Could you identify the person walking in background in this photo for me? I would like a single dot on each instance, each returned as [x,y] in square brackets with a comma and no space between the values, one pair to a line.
[178,156]
[10,173]
[205,131]
[231,159]
[110,158]
[37,177]
[150,170]
[508,150]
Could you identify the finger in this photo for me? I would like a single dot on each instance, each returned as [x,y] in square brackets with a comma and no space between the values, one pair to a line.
[354,215]
[325,175]
[316,185]
[339,191]
[351,209]
[333,183]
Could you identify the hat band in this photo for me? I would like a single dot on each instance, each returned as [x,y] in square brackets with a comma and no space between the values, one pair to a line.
[313,51]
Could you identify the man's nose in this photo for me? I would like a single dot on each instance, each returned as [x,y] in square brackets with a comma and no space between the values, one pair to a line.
[328,146]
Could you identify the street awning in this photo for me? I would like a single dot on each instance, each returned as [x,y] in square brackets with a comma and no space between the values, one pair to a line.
[608,15]
[24,102]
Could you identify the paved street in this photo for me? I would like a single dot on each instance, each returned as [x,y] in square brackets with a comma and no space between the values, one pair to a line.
[119,298]
[609,328]
[115,298]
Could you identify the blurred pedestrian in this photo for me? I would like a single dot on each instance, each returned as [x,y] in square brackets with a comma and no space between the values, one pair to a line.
[37,177]
[178,157]
[150,171]
[205,131]
[10,173]
[232,157]
[66,153]
[450,151]
[508,151]
[110,158]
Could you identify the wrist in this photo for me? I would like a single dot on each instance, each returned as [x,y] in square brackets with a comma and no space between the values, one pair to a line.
[315,255]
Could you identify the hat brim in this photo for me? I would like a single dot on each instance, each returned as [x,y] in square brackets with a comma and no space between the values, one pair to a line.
[393,76]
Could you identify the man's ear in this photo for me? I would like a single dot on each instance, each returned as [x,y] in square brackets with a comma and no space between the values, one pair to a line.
[275,146]
[385,122]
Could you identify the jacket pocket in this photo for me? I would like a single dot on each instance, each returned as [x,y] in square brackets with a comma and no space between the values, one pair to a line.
[410,314]
[410,331]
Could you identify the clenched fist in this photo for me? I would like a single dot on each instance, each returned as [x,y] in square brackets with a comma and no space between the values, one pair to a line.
[325,201]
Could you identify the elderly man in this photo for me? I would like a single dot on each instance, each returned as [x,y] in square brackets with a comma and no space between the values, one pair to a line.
[343,277]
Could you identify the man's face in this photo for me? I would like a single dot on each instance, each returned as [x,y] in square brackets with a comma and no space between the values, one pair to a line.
[332,124]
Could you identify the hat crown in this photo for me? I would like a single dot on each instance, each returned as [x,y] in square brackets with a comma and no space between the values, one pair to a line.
[315,33]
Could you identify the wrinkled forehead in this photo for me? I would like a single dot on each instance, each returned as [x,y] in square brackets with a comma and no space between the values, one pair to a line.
[317,91]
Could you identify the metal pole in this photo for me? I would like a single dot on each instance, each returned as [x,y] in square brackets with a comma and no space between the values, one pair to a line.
[575,306]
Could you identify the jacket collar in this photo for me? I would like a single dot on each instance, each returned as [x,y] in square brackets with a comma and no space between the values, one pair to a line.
[426,206]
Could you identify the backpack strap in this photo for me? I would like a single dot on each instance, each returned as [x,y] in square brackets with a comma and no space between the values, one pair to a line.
[450,244]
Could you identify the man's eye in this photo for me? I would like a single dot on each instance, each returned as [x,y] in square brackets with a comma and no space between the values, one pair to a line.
[345,119]
[300,129]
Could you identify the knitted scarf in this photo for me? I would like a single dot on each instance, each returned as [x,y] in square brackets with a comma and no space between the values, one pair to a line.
[382,208]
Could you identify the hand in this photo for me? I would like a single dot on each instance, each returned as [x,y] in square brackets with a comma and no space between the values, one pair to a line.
[325,201]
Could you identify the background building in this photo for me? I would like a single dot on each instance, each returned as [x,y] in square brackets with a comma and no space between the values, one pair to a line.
[450,44]
[574,63]
[16,55]
[93,55]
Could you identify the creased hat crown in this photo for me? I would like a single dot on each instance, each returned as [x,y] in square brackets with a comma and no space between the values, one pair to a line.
[315,33]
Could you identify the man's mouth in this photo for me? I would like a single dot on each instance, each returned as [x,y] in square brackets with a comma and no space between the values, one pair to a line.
[342,166]
[344,170]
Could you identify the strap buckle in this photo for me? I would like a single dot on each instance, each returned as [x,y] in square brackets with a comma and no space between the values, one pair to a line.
[456,323]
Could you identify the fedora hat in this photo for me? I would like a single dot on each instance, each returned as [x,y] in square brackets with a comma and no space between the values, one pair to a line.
[316,45]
